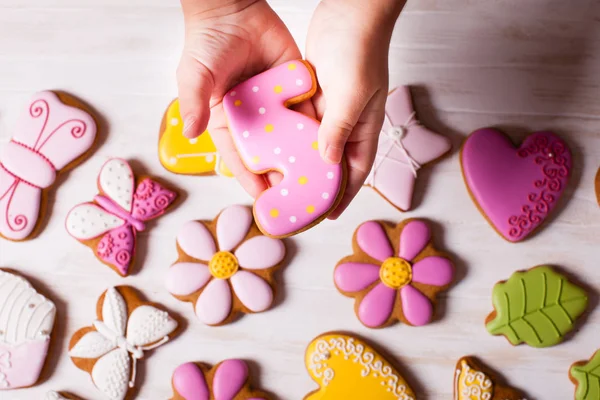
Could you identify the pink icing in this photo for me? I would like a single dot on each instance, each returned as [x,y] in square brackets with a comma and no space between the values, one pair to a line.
[433,271]
[260,252]
[416,307]
[229,379]
[376,307]
[233,226]
[48,136]
[189,382]
[270,136]
[354,277]
[21,365]
[214,304]
[515,188]
[392,174]
[196,240]
[114,209]
[371,237]
[253,291]
[117,248]
[186,278]
[413,239]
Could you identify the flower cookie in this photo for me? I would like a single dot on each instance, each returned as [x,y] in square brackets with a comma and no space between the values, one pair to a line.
[515,189]
[537,307]
[270,136]
[225,266]
[228,380]
[346,367]
[395,273]
[26,320]
[125,329]
[185,156]
[473,381]
[404,147]
[110,223]
[586,377]
[50,137]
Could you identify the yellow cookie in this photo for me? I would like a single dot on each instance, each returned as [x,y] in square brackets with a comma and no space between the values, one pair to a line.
[185,156]
[346,367]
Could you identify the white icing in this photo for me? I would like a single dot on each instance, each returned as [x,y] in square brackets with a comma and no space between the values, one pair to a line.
[148,324]
[325,195]
[114,311]
[299,82]
[292,159]
[174,121]
[284,192]
[111,374]
[245,134]
[277,150]
[330,175]
[293,219]
[255,89]
[87,221]
[116,180]
[262,110]
[300,126]
[91,345]
[24,314]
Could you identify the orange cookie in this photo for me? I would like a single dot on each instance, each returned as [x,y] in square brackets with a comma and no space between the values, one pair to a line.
[228,380]
[395,273]
[225,266]
[473,381]
[185,156]
[126,328]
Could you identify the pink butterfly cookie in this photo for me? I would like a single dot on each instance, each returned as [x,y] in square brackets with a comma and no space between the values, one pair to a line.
[109,224]
[404,147]
[49,137]
[270,136]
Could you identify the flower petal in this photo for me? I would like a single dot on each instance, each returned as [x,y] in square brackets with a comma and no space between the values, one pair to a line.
[214,304]
[413,239]
[232,226]
[196,241]
[189,382]
[373,240]
[260,252]
[229,379]
[377,306]
[434,270]
[186,278]
[416,307]
[353,277]
[253,291]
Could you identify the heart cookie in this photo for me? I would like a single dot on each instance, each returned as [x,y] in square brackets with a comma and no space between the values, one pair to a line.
[473,381]
[516,189]
[346,367]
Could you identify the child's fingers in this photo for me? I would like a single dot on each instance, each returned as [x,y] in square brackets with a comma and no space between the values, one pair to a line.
[195,83]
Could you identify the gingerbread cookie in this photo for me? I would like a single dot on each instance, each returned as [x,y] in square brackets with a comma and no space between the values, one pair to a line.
[26,321]
[537,307]
[346,367]
[109,224]
[473,381]
[227,381]
[50,137]
[225,266]
[515,189]
[270,136]
[395,273]
[586,377]
[185,156]
[126,328]
[598,186]
[404,147]
[52,395]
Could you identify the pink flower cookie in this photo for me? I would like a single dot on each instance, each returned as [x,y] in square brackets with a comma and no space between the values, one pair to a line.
[394,273]
[404,147]
[228,380]
[50,137]
[110,223]
[270,136]
[225,266]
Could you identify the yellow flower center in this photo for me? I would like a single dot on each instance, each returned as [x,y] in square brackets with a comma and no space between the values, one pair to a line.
[223,265]
[395,272]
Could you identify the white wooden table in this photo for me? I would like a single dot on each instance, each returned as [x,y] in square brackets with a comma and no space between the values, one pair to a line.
[519,65]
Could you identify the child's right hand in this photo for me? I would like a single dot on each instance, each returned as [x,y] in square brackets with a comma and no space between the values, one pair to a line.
[228,42]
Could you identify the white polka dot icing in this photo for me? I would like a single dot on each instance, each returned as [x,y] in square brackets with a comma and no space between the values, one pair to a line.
[262,110]
[116,180]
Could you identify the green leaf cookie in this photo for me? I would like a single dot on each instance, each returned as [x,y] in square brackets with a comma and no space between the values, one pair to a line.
[537,307]
[586,377]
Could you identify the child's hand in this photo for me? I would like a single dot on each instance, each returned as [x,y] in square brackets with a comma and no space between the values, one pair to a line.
[227,42]
[348,44]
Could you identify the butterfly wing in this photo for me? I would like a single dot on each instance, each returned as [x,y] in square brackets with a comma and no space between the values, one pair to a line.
[148,325]
[88,221]
[151,199]
[117,247]
[19,206]
[111,374]
[92,345]
[116,181]
[114,311]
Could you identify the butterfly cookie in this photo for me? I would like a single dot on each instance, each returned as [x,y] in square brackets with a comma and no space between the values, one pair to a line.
[110,223]
[125,329]
[473,381]
[52,395]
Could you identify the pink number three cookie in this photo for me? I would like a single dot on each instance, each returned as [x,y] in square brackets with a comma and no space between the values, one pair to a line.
[269,136]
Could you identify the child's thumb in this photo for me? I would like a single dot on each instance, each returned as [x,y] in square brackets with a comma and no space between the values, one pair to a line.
[195,82]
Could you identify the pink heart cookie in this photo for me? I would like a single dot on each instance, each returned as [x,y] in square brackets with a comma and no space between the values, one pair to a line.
[515,188]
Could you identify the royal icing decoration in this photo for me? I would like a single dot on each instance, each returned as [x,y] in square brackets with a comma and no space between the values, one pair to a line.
[26,321]
[471,382]
[110,223]
[186,156]
[538,307]
[515,189]
[49,136]
[225,263]
[229,380]
[586,377]
[346,367]
[404,147]
[270,136]
[393,278]
[117,340]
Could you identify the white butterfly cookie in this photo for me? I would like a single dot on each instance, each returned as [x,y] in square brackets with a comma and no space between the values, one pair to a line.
[125,329]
